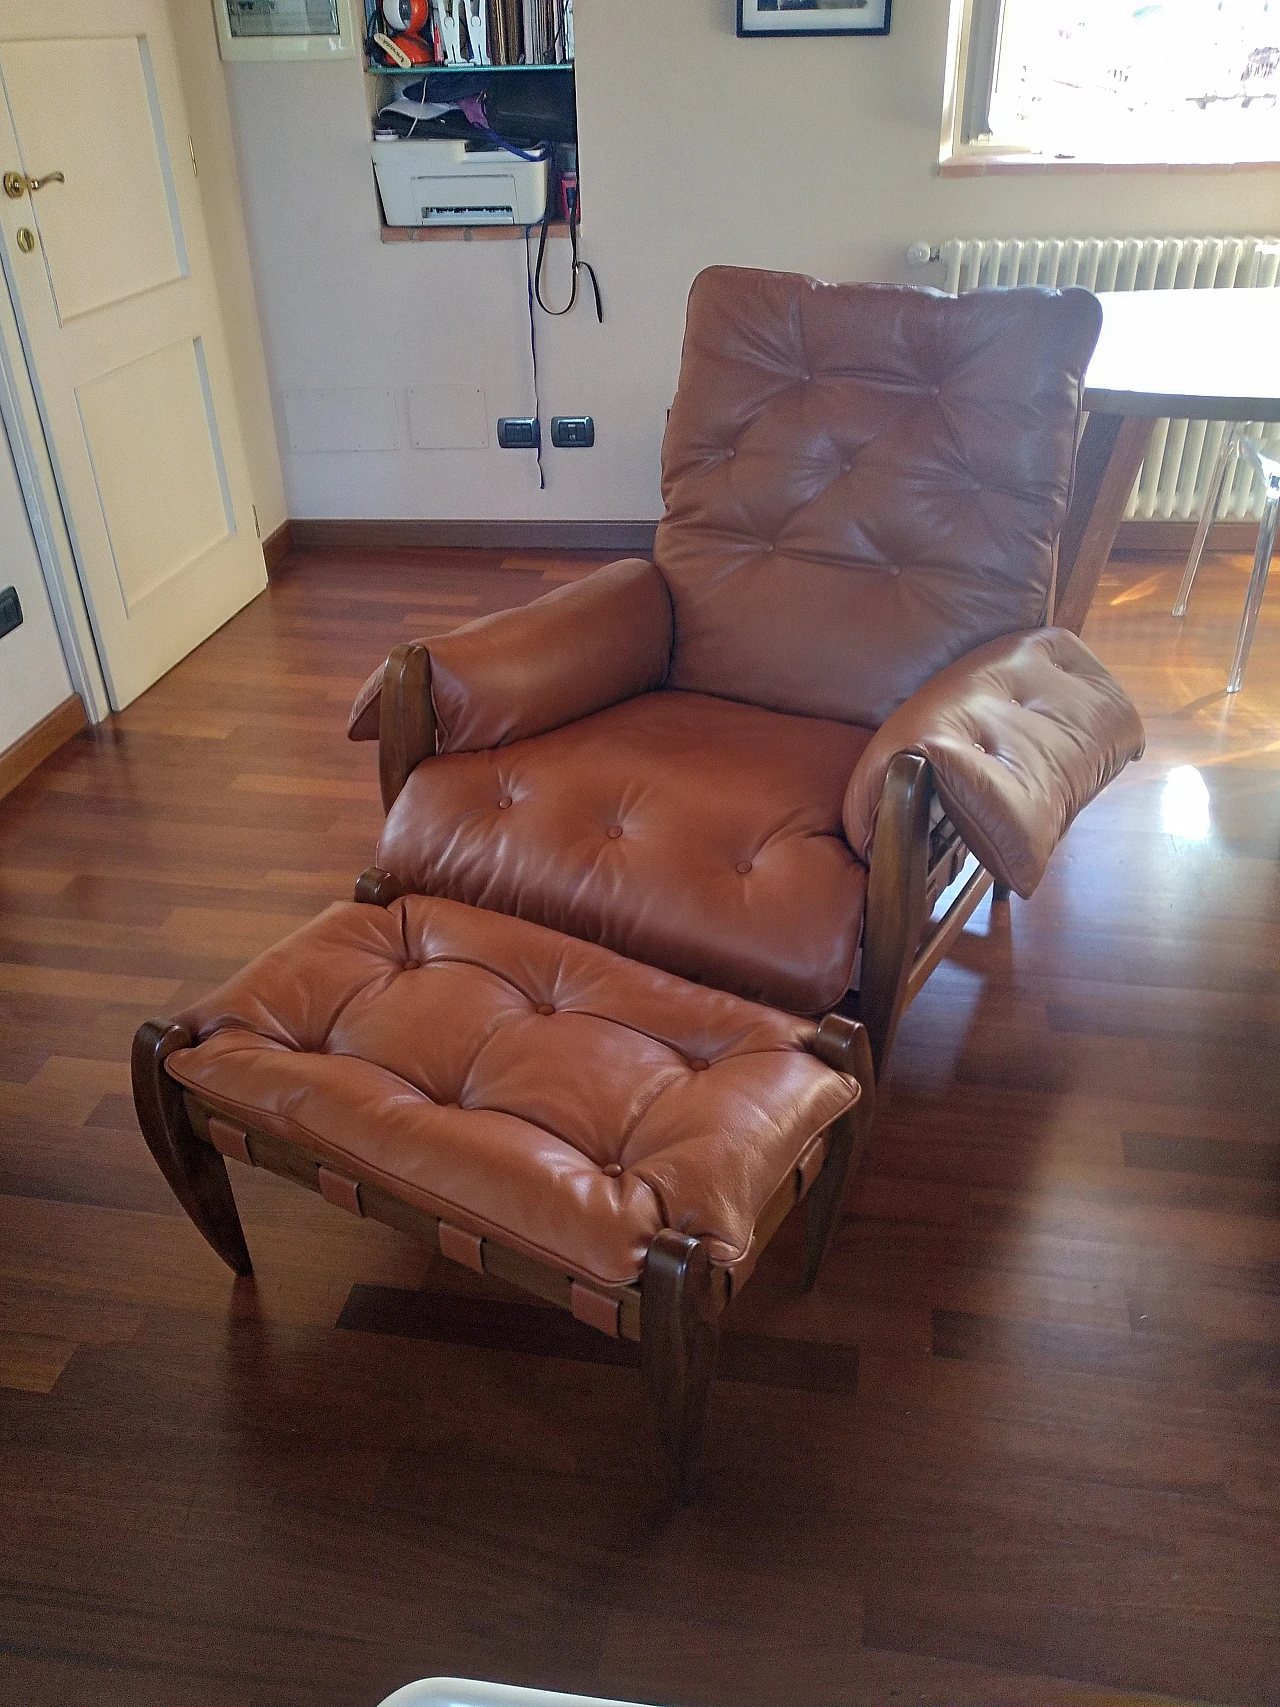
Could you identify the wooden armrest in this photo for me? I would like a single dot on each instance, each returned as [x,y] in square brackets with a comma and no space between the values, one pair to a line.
[407,722]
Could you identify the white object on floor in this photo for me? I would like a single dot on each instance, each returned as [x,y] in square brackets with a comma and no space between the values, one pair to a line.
[461,1692]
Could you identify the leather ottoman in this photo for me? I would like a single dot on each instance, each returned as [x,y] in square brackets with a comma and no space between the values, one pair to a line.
[610,1137]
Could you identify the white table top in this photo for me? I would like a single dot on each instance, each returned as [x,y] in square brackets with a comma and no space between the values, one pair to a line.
[1203,355]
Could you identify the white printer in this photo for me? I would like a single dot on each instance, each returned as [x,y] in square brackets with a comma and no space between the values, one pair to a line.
[442,181]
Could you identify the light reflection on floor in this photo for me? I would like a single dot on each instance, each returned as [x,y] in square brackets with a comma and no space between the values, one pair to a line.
[1184,805]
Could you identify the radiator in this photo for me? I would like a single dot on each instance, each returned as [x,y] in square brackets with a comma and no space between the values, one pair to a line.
[1176,472]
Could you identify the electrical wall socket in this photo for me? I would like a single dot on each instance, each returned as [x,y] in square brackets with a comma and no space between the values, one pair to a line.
[10,611]
[573,432]
[519,432]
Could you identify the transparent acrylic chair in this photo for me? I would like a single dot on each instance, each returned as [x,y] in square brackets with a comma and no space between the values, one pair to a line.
[1235,442]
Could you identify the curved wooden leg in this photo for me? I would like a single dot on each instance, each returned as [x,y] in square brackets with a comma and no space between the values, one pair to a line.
[826,1195]
[678,1340]
[844,1045]
[195,1171]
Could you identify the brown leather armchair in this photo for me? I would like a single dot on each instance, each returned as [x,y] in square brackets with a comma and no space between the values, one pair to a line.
[758,760]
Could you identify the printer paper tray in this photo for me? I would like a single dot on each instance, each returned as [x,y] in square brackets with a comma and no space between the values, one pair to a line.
[468,216]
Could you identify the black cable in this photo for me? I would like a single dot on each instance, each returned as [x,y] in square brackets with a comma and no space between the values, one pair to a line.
[533,355]
[577,268]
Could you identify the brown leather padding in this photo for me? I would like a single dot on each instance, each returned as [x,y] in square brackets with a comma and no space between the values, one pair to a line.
[515,1083]
[691,833]
[1021,734]
[517,673]
[862,482]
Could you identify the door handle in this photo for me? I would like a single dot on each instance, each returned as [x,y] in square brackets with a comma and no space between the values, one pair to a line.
[17,184]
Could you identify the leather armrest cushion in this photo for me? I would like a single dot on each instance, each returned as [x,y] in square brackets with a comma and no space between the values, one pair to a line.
[521,672]
[1020,734]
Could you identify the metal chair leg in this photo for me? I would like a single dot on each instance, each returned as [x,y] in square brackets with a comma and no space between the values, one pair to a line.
[1228,450]
[1258,579]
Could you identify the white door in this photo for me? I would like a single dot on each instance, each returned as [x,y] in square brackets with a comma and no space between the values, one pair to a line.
[110,274]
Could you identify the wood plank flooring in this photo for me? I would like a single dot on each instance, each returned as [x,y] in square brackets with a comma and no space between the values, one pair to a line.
[1019,1447]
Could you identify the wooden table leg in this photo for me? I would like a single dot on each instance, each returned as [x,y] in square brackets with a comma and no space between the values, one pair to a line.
[1107,463]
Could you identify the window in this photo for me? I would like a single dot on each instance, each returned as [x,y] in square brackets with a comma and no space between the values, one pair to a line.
[1117,80]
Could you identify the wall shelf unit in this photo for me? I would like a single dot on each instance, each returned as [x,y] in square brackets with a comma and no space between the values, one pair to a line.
[465,233]
[526,104]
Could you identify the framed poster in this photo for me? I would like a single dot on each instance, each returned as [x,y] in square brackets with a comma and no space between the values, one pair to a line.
[813,17]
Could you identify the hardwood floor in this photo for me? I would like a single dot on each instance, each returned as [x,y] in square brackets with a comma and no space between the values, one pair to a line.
[1019,1446]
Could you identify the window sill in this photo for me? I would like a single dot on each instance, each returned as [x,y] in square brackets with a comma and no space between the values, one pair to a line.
[993,165]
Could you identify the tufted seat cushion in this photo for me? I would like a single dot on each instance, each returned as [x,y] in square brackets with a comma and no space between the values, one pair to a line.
[689,832]
[516,1083]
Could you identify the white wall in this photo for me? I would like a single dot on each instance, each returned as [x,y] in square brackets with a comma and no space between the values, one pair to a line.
[818,155]
[33,676]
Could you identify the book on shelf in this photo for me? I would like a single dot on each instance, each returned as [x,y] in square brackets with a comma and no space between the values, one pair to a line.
[519,32]
[531,32]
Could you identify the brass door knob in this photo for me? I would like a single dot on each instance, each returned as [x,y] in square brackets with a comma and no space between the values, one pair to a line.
[17,184]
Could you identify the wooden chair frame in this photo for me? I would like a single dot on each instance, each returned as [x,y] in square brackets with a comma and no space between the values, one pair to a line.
[917,854]
[673,1311]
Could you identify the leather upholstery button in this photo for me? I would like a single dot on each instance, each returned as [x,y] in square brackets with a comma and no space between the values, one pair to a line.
[505,801]
[743,867]
[614,831]
[698,1066]
[410,965]
[612,1170]
[544,1008]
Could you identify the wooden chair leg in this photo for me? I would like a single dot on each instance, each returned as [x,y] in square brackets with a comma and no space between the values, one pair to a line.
[195,1171]
[844,1045]
[678,1340]
[1000,892]
[826,1195]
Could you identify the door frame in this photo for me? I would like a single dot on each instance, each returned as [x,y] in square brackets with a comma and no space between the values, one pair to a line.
[22,424]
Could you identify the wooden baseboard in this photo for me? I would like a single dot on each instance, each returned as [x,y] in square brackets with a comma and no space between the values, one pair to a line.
[277,546]
[1166,538]
[316,535]
[1174,538]
[33,748]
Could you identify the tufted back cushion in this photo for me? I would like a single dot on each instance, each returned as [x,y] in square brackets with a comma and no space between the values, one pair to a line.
[862,482]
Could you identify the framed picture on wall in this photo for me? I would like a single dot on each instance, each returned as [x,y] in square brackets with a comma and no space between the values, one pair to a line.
[813,17]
